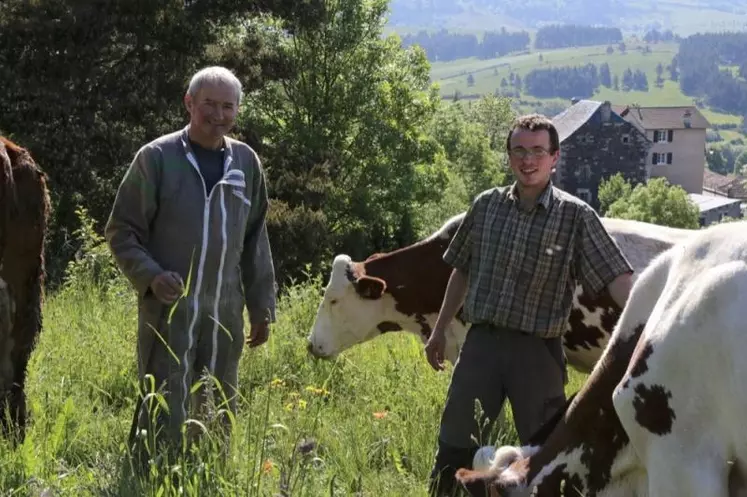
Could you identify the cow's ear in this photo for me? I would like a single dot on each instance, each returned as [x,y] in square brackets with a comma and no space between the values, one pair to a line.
[370,288]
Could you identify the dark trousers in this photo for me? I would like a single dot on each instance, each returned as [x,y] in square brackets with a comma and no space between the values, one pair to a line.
[496,364]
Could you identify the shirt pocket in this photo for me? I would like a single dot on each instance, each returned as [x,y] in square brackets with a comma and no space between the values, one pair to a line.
[238,206]
[547,257]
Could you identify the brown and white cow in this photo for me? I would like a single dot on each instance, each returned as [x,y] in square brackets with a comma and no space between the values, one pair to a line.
[24,215]
[403,290]
[662,414]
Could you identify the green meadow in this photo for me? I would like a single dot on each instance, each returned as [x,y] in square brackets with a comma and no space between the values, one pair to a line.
[364,424]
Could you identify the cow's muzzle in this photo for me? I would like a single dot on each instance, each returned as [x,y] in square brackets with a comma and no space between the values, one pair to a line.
[317,354]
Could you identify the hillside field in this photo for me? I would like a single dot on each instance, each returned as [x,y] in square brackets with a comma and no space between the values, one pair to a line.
[452,76]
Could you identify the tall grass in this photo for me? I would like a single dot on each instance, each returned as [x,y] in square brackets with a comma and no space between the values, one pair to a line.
[363,424]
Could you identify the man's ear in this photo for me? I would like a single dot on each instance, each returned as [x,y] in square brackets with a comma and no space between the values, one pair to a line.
[370,288]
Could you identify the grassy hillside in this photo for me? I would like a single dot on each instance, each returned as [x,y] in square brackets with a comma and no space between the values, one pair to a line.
[452,76]
[371,416]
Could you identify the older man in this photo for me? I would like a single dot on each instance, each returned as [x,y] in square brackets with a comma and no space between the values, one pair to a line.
[191,211]
[517,256]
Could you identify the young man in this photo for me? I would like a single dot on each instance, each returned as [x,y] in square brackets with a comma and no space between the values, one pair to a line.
[191,208]
[517,256]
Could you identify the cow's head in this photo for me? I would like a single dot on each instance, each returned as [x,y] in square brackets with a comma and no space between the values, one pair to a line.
[355,308]
[506,476]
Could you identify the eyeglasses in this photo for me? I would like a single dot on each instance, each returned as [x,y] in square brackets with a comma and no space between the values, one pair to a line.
[521,153]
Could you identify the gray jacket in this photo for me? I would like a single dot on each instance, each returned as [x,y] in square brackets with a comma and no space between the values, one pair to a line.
[163,219]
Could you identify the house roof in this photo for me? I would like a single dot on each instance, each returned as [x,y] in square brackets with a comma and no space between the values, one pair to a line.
[662,117]
[738,189]
[715,181]
[575,116]
[728,186]
[708,202]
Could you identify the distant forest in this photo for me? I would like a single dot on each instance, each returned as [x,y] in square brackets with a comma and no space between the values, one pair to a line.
[562,36]
[713,67]
[581,81]
[444,46]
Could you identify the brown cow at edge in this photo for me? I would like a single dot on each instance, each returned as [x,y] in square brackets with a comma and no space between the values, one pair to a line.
[24,216]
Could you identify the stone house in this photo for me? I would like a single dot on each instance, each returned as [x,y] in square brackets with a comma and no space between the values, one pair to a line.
[596,143]
[678,135]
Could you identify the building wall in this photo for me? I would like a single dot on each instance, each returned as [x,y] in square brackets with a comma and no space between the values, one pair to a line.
[715,215]
[688,158]
[597,150]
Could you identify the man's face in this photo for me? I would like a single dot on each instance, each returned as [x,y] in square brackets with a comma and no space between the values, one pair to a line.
[213,110]
[531,159]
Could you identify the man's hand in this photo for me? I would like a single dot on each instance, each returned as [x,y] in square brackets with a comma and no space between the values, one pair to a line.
[434,349]
[258,334]
[167,287]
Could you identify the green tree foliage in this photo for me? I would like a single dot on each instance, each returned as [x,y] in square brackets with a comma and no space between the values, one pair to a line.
[85,84]
[345,139]
[701,59]
[444,46]
[473,136]
[655,202]
[571,35]
[716,161]
[739,164]
[612,189]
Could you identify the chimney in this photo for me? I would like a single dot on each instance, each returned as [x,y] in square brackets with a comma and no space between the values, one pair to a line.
[687,118]
[606,109]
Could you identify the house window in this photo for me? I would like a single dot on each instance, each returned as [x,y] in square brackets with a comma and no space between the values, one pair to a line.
[661,158]
[584,172]
[625,138]
[584,194]
[663,135]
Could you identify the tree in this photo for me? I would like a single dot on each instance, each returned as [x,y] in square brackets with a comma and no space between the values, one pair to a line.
[673,70]
[659,78]
[628,81]
[472,137]
[716,161]
[739,164]
[613,188]
[85,84]
[657,202]
[605,77]
[346,139]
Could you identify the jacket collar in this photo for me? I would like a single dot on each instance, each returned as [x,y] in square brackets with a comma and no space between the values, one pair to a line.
[228,157]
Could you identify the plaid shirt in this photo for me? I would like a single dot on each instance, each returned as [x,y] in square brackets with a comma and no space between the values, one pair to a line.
[523,265]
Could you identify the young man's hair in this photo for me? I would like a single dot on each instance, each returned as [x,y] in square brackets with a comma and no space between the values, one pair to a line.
[535,122]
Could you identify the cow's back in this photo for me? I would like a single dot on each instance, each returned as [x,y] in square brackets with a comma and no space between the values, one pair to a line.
[642,242]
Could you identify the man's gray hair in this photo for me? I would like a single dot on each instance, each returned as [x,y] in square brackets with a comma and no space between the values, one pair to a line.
[212,75]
